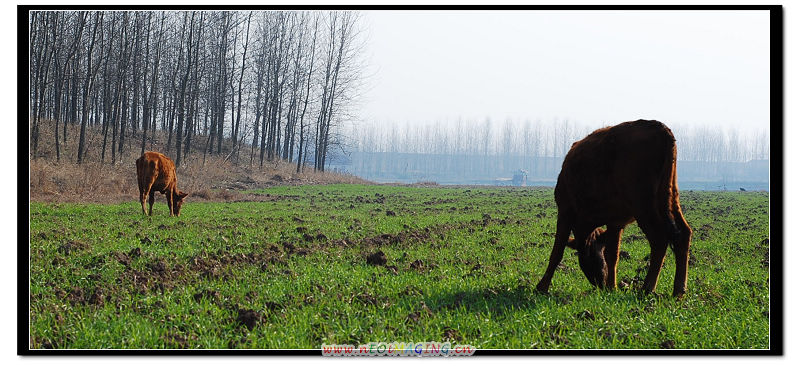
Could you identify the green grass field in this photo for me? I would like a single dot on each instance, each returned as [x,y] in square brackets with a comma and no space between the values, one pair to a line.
[352,264]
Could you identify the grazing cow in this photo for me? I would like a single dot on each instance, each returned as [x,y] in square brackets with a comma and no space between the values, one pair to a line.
[156,172]
[612,177]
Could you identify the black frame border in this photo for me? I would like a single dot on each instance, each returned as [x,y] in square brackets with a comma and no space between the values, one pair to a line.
[776,165]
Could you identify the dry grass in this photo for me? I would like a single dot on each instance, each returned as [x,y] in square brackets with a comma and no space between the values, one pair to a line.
[213,178]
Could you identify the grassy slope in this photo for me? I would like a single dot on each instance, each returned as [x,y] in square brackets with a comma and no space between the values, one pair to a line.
[461,264]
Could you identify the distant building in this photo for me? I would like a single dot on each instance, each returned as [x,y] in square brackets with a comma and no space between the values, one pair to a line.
[520,178]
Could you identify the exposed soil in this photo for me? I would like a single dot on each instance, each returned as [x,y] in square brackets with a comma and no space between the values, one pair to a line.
[248,318]
[668,344]
[417,265]
[176,341]
[450,334]
[376,259]
[211,295]
[72,246]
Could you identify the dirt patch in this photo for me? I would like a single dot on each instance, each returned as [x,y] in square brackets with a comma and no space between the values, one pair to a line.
[176,341]
[72,246]
[248,318]
[309,237]
[159,267]
[376,259]
[211,295]
[668,344]
[76,296]
[97,298]
[406,236]
[703,232]
[450,334]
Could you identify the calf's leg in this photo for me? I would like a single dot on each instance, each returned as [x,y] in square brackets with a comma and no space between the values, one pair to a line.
[148,183]
[143,199]
[169,202]
[151,200]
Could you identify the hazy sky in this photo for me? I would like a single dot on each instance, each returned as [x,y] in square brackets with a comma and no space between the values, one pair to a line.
[591,67]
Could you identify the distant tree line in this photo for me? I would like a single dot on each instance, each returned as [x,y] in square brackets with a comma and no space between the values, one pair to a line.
[257,85]
[478,152]
[544,139]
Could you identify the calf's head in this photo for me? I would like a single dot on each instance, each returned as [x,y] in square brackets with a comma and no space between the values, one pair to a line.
[177,202]
[591,256]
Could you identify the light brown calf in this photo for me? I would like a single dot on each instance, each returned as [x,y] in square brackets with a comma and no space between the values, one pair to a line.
[156,172]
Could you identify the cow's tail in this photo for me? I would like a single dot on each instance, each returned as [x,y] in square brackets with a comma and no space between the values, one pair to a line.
[668,194]
[140,173]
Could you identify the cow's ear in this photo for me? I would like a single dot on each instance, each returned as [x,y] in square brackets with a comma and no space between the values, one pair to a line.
[182,195]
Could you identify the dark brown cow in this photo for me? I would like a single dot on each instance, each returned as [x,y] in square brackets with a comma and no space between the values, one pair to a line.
[156,172]
[612,177]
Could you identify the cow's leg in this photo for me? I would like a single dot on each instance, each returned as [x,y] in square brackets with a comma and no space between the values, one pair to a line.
[169,202]
[611,254]
[148,183]
[150,201]
[658,249]
[681,249]
[143,199]
[145,187]
[140,182]
[563,227]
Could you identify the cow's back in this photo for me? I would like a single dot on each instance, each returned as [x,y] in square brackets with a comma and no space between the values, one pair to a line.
[614,168]
[156,165]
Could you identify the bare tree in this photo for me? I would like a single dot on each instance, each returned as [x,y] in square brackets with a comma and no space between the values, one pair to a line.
[169,76]
[91,72]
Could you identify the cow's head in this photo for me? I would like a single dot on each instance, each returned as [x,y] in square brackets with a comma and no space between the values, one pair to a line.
[177,202]
[590,256]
